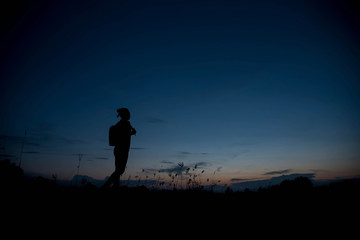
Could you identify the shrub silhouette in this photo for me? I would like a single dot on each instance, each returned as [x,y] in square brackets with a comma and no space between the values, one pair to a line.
[10,174]
[298,185]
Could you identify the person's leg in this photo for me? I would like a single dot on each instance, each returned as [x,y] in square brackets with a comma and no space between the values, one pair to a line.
[113,179]
[115,176]
[121,163]
[116,179]
[121,157]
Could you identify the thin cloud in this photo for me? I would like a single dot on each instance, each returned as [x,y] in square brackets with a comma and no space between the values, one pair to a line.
[238,179]
[31,152]
[278,172]
[186,153]
[154,120]
[166,162]
[11,138]
[40,139]
[254,185]
[7,156]
[179,168]
[174,169]
[202,164]
[68,141]
[137,148]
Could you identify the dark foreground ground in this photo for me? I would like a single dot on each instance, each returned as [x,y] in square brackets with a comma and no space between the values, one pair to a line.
[42,202]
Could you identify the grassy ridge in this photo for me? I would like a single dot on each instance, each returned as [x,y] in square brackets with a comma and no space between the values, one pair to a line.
[44,194]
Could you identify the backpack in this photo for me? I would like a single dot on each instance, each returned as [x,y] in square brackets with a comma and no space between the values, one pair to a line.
[113,135]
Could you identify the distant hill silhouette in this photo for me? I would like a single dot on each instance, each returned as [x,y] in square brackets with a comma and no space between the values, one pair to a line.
[254,185]
[81,180]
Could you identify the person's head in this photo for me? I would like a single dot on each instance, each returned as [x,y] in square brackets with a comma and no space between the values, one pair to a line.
[124,113]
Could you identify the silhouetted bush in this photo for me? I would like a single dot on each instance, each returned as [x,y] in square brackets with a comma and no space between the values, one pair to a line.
[346,187]
[298,185]
[10,174]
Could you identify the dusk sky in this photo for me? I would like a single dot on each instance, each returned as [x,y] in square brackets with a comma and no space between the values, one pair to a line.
[244,90]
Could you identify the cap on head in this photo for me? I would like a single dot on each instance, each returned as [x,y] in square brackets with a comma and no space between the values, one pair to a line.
[123,113]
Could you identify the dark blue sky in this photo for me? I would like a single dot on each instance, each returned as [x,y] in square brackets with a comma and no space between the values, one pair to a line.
[240,88]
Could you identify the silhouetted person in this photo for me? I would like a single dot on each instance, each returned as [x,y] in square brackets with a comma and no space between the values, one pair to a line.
[119,137]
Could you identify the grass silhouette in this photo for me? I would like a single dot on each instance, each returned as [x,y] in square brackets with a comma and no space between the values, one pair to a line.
[164,192]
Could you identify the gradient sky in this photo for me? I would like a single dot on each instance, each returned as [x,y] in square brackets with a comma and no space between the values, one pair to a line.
[244,90]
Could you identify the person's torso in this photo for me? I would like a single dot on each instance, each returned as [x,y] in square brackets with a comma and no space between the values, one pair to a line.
[123,133]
